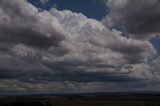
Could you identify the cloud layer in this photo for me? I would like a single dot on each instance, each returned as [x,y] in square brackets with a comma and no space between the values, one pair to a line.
[55,47]
[139,17]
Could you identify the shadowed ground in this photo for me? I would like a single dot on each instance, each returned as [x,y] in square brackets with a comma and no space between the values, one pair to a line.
[83,100]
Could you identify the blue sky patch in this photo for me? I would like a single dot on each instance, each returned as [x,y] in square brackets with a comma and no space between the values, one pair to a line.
[90,8]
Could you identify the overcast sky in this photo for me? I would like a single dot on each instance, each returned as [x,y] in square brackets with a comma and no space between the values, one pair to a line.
[68,46]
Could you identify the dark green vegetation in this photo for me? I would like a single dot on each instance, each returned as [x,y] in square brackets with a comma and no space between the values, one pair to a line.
[96,99]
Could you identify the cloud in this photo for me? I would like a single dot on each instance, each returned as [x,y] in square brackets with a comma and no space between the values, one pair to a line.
[139,17]
[116,11]
[157,61]
[62,46]
[17,87]
[142,71]
[32,28]
[44,1]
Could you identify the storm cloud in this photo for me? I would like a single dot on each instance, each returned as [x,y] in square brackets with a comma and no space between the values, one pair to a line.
[58,47]
[21,23]
[139,17]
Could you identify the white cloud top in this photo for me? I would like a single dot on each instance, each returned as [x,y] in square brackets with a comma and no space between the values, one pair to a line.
[61,46]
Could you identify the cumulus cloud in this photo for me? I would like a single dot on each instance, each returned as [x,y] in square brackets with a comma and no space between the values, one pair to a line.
[139,17]
[116,11]
[59,46]
[21,23]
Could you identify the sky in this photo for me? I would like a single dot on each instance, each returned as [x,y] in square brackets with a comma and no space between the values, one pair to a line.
[90,8]
[73,46]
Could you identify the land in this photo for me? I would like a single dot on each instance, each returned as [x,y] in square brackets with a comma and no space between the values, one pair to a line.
[83,99]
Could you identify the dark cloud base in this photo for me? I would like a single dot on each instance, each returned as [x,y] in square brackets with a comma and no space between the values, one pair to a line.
[64,51]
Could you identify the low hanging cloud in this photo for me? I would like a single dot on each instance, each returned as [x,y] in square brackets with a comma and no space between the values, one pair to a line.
[62,46]
[9,86]
[139,17]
